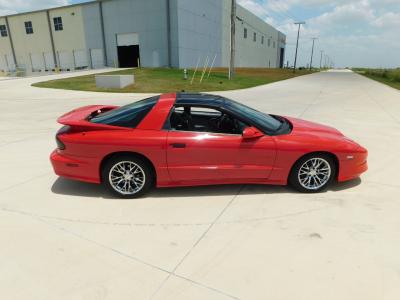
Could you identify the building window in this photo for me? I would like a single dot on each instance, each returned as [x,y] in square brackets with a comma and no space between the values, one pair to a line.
[58,25]
[274,44]
[28,27]
[262,40]
[269,42]
[3,30]
[245,33]
[254,37]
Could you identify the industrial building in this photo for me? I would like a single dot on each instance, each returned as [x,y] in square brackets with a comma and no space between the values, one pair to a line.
[128,33]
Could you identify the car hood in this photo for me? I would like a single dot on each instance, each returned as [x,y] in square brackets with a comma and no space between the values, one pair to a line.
[306,127]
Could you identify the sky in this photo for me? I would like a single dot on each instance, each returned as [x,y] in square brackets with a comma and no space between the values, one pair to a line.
[352,33]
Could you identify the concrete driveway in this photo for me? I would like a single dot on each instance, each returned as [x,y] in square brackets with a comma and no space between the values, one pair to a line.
[67,240]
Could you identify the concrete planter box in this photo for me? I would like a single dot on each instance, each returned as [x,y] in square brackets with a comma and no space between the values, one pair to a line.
[114,81]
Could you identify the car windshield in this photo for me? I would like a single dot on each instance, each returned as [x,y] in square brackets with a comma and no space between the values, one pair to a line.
[127,116]
[264,121]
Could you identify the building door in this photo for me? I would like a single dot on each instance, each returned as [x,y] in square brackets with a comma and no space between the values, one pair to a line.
[128,50]
[128,56]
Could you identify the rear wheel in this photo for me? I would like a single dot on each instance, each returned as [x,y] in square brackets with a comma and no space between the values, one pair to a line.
[313,173]
[127,176]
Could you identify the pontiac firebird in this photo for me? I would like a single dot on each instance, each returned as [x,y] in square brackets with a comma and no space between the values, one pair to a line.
[196,139]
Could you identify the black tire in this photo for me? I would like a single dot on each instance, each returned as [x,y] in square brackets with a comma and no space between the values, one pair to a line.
[294,177]
[127,161]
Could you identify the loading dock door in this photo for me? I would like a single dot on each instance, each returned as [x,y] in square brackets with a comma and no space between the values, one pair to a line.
[97,57]
[10,63]
[3,63]
[37,61]
[80,58]
[128,50]
[66,60]
[128,56]
[49,61]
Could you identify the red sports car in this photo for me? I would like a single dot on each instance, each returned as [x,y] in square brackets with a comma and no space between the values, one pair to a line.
[195,139]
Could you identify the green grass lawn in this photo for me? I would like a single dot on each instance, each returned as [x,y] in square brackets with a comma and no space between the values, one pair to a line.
[389,77]
[164,80]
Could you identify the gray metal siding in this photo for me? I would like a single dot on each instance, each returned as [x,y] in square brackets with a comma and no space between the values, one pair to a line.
[148,19]
[200,31]
[92,25]
[174,33]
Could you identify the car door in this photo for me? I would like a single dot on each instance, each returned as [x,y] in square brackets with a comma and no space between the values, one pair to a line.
[211,156]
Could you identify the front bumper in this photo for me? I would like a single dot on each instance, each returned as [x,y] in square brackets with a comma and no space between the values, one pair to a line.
[73,168]
[353,165]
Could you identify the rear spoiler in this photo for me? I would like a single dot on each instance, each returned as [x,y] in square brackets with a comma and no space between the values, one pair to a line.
[80,118]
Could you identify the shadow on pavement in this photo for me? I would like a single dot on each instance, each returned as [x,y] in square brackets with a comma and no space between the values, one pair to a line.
[341,186]
[75,188]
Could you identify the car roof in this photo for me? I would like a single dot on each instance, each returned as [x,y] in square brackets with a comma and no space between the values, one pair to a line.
[199,99]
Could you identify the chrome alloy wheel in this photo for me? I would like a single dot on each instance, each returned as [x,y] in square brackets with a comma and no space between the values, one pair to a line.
[127,178]
[314,173]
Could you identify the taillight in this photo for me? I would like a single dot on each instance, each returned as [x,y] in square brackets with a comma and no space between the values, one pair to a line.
[63,130]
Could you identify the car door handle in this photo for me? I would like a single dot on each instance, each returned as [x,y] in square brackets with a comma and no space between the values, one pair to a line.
[178,145]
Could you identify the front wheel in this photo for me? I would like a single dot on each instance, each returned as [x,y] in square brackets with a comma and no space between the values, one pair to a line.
[313,173]
[127,176]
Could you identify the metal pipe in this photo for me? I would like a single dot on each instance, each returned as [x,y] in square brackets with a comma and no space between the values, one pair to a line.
[195,70]
[11,43]
[103,35]
[53,48]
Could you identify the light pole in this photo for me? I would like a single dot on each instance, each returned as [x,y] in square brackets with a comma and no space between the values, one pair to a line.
[312,52]
[320,61]
[297,44]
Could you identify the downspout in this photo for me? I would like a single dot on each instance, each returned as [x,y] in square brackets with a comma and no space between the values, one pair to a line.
[169,33]
[11,43]
[103,35]
[53,48]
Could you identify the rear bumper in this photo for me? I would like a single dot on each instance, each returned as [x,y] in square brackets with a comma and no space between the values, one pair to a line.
[73,168]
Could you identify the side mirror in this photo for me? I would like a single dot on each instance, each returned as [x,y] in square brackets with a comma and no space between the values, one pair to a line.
[251,133]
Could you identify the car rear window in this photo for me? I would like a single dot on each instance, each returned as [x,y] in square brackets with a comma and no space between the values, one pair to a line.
[127,116]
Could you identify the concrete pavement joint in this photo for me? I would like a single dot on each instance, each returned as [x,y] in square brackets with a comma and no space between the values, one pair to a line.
[23,140]
[25,182]
[120,224]
[133,257]
[196,243]
[381,107]
[315,99]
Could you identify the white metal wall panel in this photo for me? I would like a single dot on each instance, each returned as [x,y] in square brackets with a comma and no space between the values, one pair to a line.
[37,61]
[97,58]
[49,61]
[81,59]
[3,63]
[127,39]
[66,60]
[10,62]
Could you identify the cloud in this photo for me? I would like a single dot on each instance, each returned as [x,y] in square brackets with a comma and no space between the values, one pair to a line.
[352,32]
[387,21]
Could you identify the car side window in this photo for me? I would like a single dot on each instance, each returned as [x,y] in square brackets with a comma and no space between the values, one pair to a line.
[204,119]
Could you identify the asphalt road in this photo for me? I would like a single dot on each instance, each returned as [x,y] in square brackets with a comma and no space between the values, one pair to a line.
[67,240]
